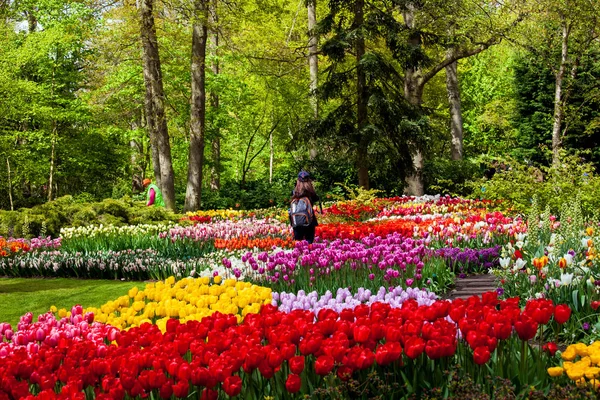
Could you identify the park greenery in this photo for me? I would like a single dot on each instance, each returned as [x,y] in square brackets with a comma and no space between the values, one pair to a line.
[401,96]
[453,145]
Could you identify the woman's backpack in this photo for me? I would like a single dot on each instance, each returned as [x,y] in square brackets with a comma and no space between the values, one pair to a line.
[301,212]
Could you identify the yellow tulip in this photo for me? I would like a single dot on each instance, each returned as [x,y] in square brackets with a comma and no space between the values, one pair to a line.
[592,372]
[581,349]
[575,374]
[569,354]
[555,371]
[133,292]
[580,382]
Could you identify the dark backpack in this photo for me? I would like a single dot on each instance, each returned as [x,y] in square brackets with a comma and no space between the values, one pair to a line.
[301,212]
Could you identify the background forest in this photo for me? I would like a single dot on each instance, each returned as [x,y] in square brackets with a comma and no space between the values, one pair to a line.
[234,97]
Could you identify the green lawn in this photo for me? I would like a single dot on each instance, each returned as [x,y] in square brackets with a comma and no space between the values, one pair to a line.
[20,295]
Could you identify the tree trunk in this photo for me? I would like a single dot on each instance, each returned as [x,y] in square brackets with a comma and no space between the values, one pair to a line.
[362,161]
[456,123]
[137,165]
[32,21]
[558,95]
[10,197]
[215,171]
[153,73]
[313,60]
[413,92]
[150,123]
[313,64]
[271,155]
[198,107]
[362,155]
[52,162]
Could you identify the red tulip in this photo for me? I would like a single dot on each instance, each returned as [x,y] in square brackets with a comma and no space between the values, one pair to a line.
[490,298]
[457,313]
[344,373]
[526,328]
[296,364]
[208,394]
[562,313]
[393,334]
[502,330]
[414,346]
[365,359]
[232,385]
[172,325]
[550,348]
[293,383]
[481,355]
[361,333]
[324,365]
[181,389]
[166,390]
[275,358]
[253,360]
[388,353]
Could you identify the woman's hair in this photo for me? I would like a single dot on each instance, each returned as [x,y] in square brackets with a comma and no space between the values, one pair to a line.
[304,189]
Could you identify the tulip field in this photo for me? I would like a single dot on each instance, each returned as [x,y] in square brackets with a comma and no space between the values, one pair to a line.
[233,307]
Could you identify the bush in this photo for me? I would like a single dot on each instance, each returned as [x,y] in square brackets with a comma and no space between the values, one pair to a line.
[449,177]
[116,208]
[553,186]
[49,218]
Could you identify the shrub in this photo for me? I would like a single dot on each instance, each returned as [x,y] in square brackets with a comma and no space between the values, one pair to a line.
[553,186]
[449,177]
[49,218]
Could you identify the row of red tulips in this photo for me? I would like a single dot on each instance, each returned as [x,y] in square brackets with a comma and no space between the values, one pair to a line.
[276,353]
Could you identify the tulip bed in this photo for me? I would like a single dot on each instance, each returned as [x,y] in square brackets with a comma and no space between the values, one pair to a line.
[239,310]
[271,351]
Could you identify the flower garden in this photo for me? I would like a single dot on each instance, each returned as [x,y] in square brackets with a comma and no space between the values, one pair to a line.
[234,308]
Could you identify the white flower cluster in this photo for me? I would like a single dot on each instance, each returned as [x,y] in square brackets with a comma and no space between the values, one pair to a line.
[91,231]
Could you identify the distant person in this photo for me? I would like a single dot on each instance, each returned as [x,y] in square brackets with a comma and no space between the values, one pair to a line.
[302,215]
[153,194]
[491,171]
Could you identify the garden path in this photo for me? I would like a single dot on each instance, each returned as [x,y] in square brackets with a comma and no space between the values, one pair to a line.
[472,285]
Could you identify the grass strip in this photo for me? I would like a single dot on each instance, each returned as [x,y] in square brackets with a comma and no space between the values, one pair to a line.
[21,295]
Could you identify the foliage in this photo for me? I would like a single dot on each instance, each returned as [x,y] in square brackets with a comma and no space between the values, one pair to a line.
[49,218]
[451,177]
[553,186]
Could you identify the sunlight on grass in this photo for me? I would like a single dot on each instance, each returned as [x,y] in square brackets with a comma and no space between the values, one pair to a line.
[21,295]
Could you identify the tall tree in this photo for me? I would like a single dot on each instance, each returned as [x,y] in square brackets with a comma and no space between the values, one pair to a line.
[215,170]
[456,123]
[155,114]
[561,33]
[362,97]
[482,25]
[313,58]
[193,192]
[369,118]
